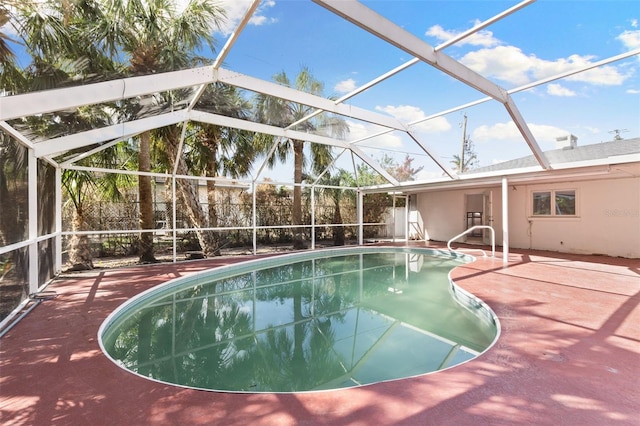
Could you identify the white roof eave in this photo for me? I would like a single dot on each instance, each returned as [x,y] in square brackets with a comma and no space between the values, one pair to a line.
[582,169]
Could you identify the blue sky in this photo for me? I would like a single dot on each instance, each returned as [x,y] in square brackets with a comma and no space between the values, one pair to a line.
[541,40]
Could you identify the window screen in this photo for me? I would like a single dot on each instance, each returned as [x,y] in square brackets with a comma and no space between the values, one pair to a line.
[565,203]
[541,203]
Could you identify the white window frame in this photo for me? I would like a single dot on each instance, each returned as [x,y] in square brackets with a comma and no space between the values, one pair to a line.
[552,206]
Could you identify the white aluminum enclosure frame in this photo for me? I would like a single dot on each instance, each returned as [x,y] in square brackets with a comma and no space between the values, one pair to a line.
[197,79]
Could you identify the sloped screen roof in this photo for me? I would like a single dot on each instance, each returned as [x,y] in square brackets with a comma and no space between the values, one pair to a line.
[385,116]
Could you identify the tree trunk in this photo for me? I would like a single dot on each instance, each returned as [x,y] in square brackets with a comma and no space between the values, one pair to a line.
[168,203]
[189,194]
[80,256]
[296,209]
[11,225]
[145,200]
[338,231]
[213,214]
[188,190]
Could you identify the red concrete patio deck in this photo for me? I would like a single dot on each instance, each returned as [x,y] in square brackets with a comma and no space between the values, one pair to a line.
[569,353]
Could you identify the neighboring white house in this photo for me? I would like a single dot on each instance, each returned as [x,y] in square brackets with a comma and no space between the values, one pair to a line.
[588,203]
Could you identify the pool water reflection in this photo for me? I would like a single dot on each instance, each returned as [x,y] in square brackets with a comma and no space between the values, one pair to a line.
[326,320]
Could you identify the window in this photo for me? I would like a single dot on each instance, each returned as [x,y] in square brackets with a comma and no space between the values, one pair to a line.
[541,203]
[554,203]
[565,203]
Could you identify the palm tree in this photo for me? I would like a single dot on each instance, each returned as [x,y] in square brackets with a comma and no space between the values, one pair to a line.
[12,156]
[83,187]
[62,54]
[469,157]
[10,75]
[337,196]
[282,113]
[154,36]
[469,162]
[13,199]
[209,151]
[214,151]
[5,51]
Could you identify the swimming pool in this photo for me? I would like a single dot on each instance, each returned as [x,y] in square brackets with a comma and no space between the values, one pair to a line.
[303,322]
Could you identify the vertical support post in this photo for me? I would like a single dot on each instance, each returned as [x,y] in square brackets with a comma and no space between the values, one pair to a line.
[33,221]
[393,215]
[58,222]
[407,215]
[313,217]
[174,221]
[254,217]
[461,168]
[505,221]
[360,218]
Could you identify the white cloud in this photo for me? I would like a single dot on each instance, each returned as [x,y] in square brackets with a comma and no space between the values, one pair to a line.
[408,114]
[481,38]
[9,31]
[511,65]
[235,10]
[506,63]
[556,89]
[630,39]
[404,113]
[607,75]
[345,86]
[509,132]
[633,91]
[634,23]
[428,174]
[359,130]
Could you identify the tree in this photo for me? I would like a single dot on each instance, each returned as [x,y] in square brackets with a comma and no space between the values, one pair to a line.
[6,54]
[154,36]
[63,51]
[10,75]
[282,113]
[404,171]
[337,196]
[468,158]
[94,37]
[14,202]
[470,161]
[375,204]
[82,186]
[215,151]
[61,54]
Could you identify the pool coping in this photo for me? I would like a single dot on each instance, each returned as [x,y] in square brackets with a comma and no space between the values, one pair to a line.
[165,288]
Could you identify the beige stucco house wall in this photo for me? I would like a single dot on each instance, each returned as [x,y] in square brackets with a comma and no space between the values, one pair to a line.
[607,219]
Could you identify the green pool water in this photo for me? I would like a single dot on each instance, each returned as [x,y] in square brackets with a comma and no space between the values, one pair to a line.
[312,321]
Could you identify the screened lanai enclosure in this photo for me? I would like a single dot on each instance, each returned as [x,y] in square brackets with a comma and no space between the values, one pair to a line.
[174,160]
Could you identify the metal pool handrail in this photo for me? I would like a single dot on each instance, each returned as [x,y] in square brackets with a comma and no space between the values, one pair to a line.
[493,238]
